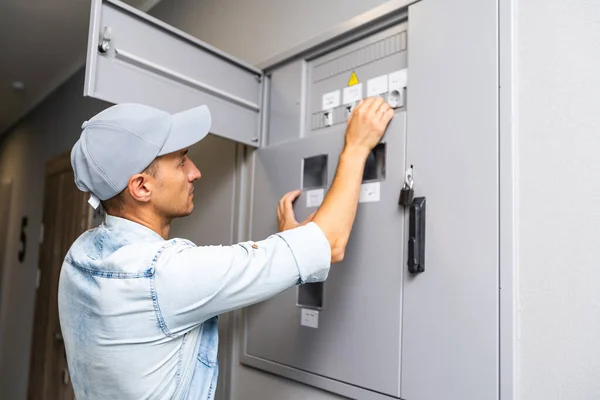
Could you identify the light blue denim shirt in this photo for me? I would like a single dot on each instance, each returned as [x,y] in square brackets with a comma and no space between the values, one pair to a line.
[139,313]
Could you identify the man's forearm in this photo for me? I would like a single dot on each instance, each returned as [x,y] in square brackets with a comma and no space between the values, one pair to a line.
[336,215]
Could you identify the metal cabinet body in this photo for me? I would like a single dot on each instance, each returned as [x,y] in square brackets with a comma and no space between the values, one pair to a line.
[373,330]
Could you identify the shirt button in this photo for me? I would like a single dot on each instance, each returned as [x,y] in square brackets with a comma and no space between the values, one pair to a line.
[254,246]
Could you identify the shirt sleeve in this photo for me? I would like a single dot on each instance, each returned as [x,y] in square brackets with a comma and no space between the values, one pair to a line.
[194,283]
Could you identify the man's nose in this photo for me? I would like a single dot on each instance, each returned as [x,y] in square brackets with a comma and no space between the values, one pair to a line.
[194,173]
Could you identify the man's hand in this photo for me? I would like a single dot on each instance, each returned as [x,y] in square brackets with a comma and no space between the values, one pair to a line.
[367,124]
[285,212]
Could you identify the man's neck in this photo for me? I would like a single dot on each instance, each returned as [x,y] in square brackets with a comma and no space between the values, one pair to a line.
[150,220]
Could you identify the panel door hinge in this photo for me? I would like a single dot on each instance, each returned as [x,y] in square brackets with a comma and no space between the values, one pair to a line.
[41,233]
[105,38]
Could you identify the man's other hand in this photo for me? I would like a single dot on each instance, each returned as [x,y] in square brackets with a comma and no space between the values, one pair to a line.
[285,212]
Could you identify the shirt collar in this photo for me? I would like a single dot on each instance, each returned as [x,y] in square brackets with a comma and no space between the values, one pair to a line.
[122,224]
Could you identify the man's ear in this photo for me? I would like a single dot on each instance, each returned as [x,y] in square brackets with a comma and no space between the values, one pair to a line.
[140,187]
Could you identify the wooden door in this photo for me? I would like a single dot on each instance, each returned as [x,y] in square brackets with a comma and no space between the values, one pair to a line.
[66,215]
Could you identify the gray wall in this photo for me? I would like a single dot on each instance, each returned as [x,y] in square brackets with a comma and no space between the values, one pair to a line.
[558,111]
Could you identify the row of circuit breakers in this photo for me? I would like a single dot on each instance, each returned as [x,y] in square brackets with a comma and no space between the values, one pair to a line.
[390,87]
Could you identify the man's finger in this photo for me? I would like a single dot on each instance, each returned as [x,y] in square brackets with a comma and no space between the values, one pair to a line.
[353,113]
[384,112]
[283,200]
[367,103]
[288,200]
[387,116]
[291,196]
[375,105]
[362,106]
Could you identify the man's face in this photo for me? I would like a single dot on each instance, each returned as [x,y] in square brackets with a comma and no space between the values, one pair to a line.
[173,193]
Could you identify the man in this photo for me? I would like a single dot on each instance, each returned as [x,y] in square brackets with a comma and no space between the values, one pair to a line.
[138,310]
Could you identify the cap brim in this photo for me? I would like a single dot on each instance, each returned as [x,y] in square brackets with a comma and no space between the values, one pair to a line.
[187,128]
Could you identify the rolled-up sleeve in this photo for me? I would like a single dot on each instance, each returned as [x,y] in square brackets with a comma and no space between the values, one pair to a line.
[311,250]
[194,283]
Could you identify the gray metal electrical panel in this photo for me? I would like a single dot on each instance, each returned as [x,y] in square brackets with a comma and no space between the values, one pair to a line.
[412,311]
[328,328]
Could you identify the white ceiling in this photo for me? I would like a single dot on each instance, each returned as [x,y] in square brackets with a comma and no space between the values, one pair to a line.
[42,43]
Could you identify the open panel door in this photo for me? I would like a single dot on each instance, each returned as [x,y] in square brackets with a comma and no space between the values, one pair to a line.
[135,58]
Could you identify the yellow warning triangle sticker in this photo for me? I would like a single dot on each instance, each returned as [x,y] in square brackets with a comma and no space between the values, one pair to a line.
[353,79]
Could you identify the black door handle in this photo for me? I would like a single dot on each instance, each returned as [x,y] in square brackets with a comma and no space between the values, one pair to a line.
[416,239]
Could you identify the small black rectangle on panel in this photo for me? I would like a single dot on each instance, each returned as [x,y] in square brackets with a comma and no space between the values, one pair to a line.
[310,295]
[375,165]
[314,172]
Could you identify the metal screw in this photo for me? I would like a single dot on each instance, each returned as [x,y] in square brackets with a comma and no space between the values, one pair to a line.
[104,47]
[106,38]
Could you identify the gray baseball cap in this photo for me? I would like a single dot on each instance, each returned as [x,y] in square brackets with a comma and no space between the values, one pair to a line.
[124,139]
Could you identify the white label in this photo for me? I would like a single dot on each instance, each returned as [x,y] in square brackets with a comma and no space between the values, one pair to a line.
[353,94]
[331,100]
[314,198]
[309,318]
[369,192]
[377,85]
[398,79]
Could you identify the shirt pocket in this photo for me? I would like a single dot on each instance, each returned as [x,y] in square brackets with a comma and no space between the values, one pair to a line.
[209,342]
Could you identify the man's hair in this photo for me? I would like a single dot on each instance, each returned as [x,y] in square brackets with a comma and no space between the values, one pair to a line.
[115,203]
